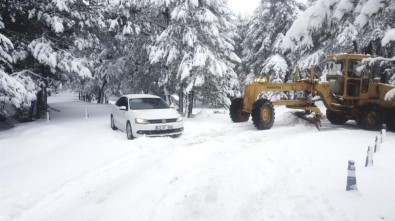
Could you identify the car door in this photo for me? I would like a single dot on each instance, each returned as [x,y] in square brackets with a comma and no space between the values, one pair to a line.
[123,114]
[119,115]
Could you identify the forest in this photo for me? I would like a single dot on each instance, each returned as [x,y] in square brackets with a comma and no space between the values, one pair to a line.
[193,48]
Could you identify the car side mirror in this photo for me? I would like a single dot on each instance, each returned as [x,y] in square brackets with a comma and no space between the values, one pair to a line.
[122,108]
[172,106]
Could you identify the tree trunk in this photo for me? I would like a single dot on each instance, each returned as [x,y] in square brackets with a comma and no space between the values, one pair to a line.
[101,92]
[190,103]
[355,46]
[99,97]
[42,102]
[181,100]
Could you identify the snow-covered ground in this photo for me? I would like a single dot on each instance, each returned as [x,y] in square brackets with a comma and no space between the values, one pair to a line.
[73,168]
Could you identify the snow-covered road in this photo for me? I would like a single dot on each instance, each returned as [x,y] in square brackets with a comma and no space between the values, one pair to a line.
[74,168]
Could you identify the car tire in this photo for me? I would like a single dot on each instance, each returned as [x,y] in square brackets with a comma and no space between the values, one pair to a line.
[129,133]
[112,124]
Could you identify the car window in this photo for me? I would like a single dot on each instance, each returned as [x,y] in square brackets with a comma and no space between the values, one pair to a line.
[123,101]
[147,103]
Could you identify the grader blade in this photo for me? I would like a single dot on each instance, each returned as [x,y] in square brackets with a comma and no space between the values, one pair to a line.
[315,120]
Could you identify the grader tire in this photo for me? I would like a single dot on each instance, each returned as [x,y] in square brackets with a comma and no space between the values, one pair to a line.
[370,117]
[263,114]
[236,111]
[336,118]
[390,120]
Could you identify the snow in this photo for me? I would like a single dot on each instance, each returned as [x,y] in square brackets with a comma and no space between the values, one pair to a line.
[344,7]
[43,52]
[61,5]
[17,91]
[311,20]
[73,168]
[389,36]
[390,95]
[57,24]
[275,63]
[368,10]
[5,46]
[312,59]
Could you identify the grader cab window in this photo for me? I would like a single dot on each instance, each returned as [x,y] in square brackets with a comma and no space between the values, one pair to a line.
[335,68]
[354,69]
[335,76]
[365,80]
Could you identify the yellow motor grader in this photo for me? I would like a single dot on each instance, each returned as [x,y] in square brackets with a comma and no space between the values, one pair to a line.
[350,93]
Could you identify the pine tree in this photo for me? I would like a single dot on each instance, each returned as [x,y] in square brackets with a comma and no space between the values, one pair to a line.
[326,27]
[45,37]
[197,47]
[242,69]
[340,26]
[262,51]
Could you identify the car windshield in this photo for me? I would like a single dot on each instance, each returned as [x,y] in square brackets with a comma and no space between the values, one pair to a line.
[147,103]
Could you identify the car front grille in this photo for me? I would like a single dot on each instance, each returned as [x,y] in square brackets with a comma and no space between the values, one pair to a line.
[160,132]
[162,121]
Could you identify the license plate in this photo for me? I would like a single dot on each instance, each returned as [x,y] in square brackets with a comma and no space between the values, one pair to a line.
[164,127]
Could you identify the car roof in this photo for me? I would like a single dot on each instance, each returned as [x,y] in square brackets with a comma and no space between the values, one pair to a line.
[140,96]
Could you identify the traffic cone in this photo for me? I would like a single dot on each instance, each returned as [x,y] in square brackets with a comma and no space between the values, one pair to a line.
[376,145]
[369,158]
[382,135]
[351,179]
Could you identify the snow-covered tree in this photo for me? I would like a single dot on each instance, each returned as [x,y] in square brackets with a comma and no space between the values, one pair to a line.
[341,26]
[262,51]
[197,47]
[241,69]
[16,92]
[45,37]
[319,29]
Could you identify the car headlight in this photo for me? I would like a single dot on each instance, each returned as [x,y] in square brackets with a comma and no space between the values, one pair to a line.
[179,119]
[141,121]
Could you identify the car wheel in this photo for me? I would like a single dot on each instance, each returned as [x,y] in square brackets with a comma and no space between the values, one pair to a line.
[129,133]
[112,123]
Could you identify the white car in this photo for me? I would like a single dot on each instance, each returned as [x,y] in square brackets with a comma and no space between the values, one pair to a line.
[149,115]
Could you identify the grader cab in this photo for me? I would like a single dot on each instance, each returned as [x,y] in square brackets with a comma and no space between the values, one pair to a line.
[351,92]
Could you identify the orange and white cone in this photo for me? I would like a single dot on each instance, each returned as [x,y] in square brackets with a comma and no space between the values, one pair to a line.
[351,179]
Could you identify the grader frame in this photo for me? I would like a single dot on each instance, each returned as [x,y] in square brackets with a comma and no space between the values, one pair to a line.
[349,94]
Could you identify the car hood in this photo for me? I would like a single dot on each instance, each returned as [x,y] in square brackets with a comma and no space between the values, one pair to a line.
[156,114]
